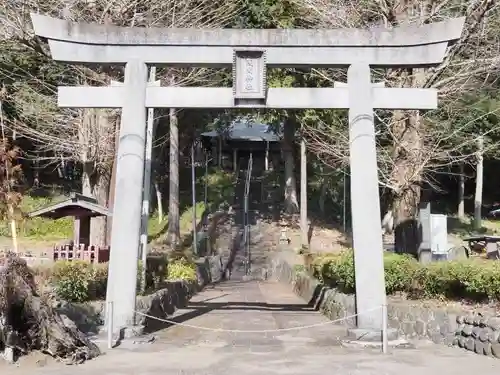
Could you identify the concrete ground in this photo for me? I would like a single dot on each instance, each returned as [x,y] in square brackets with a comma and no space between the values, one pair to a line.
[211,337]
[240,306]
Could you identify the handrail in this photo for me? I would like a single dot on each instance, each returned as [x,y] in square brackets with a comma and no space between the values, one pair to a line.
[246,223]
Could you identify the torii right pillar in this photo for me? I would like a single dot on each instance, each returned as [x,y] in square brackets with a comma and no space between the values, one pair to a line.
[367,238]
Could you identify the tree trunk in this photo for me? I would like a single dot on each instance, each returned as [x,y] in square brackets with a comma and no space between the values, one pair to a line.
[322,197]
[406,173]
[461,191]
[29,322]
[388,222]
[97,187]
[303,194]
[406,233]
[98,225]
[173,199]
[408,158]
[406,177]
[478,196]
[408,152]
[111,191]
[87,172]
[95,183]
[13,228]
[159,201]
[291,201]
[36,171]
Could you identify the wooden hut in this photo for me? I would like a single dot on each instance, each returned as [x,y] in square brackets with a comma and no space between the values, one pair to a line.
[82,209]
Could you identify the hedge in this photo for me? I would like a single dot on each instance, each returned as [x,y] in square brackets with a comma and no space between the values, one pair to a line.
[181,270]
[472,279]
[79,281]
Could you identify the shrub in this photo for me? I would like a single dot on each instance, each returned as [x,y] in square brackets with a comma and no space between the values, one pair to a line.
[486,282]
[338,271]
[476,280]
[79,281]
[400,272]
[471,279]
[98,280]
[74,281]
[220,187]
[181,270]
[71,280]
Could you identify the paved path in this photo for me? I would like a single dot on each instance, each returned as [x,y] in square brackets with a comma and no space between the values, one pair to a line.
[238,305]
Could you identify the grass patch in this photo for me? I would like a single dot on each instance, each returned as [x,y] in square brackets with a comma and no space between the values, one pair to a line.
[186,219]
[465,227]
[41,230]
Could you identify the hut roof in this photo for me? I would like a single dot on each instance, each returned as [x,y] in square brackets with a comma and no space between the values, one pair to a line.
[242,131]
[76,205]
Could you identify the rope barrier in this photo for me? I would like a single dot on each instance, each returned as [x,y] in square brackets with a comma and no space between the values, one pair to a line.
[277,330]
[201,328]
[255,331]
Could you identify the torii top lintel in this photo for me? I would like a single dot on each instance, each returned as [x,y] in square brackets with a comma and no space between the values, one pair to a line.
[426,45]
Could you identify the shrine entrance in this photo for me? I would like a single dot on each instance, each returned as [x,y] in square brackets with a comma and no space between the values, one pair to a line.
[250,53]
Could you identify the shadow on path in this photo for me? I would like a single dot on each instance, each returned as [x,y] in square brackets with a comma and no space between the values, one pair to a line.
[200,308]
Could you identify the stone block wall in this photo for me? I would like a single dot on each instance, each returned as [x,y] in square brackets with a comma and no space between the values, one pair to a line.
[172,295]
[209,269]
[449,326]
[479,334]
[162,304]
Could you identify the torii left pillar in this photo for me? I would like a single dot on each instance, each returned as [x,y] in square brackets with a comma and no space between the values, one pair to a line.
[128,189]
[125,231]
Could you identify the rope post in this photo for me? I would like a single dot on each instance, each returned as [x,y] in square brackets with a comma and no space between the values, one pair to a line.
[384,329]
[110,325]
[193,193]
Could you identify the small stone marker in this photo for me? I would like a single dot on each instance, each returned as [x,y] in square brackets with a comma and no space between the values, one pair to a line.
[8,354]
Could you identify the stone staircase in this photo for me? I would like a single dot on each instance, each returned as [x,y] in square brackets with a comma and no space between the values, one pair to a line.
[236,254]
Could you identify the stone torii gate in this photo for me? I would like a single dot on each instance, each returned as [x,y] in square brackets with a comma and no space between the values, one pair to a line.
[250,53]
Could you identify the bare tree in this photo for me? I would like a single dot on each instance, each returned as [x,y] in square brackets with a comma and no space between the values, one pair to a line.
[291,199]
[478,196]
[10,176]
[88,136]
[461,192]
[411,144]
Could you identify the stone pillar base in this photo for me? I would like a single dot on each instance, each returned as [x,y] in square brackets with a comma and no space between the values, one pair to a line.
[124,333]
[131,332]
[368,335]
[373,338]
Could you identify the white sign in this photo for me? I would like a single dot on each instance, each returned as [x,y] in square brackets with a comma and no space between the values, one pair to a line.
[249,74]
[439,234]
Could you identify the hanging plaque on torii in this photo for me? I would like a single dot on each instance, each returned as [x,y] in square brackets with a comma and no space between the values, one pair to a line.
[249,78]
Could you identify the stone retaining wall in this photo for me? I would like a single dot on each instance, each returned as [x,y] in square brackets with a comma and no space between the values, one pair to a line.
[172,295]
[449,326]
[479,334]
[163,303]
[175,295]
